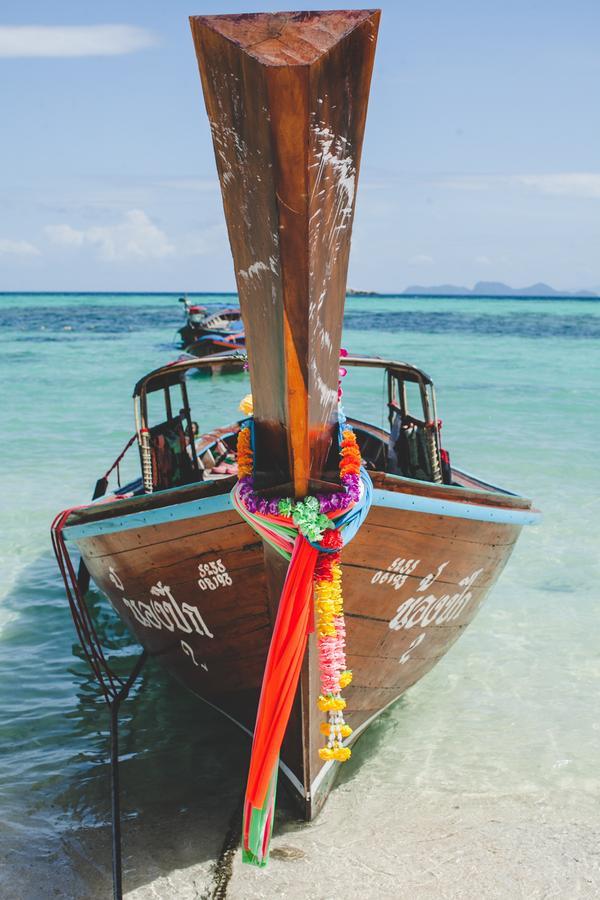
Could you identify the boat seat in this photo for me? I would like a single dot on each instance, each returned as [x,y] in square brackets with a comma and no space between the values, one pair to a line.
[172,465]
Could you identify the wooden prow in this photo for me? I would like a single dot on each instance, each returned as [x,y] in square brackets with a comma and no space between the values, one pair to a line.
[286,96]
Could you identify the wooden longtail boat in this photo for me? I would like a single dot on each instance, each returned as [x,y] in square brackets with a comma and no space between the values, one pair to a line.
[209,345]
[206,333]
[200,588]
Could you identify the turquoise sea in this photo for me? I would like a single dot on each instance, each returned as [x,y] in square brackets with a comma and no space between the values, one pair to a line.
[508,717]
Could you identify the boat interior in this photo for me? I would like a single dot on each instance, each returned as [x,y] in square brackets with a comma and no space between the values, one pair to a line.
[176,456]
[174,453]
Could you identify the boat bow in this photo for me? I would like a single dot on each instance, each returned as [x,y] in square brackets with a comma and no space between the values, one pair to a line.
[286,96]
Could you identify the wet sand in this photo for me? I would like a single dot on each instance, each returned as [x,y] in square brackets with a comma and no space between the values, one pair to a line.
[428,847]
[423,810]
[367,843]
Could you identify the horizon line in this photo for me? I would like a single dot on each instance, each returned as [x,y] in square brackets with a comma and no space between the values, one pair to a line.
[586,296]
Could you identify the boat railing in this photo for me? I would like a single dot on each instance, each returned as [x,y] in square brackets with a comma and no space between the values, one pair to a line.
[424,420]
[174,372]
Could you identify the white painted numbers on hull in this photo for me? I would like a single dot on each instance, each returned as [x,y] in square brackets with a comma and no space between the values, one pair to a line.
[213,575]
[396,573]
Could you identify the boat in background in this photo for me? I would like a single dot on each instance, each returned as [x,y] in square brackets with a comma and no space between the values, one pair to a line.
[221,361]
[206,332]
[213,556]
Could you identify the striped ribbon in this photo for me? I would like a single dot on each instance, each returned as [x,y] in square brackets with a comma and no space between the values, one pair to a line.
[284,660]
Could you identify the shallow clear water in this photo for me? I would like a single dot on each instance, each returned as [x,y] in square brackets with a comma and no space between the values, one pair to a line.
[510,710]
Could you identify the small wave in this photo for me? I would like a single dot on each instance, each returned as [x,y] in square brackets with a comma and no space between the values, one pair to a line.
[43,324]
[527,324]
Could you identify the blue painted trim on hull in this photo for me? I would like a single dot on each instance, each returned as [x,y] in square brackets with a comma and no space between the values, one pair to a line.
[436,507]
[190,510]
[386,499]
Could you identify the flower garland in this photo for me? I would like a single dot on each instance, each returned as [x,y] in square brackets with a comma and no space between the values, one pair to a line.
[311,516]
[309,534]
[331,638]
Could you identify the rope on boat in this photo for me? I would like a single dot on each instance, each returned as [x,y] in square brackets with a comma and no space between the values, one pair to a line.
[111,684]
[119,459]
[102,482]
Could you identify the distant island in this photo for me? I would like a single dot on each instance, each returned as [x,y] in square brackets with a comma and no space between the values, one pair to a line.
[492,289]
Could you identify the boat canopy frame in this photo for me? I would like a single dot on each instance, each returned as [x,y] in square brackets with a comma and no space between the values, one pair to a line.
[174,375]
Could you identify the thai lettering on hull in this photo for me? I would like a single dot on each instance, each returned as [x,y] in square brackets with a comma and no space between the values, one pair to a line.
[163,611]
[435,608]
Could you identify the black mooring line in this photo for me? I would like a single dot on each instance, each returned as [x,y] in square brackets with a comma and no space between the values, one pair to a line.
[223,868]
[117,866]
[114,706]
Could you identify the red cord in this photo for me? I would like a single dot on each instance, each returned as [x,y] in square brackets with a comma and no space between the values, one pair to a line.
[109,682]
[115,465]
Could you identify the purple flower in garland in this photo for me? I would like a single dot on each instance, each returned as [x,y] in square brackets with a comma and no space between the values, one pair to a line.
[246,485]
[336,501]
[327,503]
[309,514]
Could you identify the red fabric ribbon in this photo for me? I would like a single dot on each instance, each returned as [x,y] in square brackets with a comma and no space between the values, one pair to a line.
[282,670]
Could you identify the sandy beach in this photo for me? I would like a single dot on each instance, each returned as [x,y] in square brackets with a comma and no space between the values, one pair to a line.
[430,846]
[426,846]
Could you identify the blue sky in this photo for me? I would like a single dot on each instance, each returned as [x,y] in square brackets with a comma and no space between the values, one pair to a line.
[481,156]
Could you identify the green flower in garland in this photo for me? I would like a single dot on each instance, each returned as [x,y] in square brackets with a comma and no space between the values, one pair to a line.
[307,516]
[310,521]
[286,507]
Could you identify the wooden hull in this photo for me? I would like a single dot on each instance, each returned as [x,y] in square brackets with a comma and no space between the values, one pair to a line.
[190,579]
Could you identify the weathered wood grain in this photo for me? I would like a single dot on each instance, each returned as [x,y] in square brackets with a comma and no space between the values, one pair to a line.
[287,112]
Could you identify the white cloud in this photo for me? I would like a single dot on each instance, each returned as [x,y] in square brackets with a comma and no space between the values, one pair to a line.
[136,237]
[421,259]
[72,40]
[572,184]
[65,235]
[211,240]
[483,260]
[17,248]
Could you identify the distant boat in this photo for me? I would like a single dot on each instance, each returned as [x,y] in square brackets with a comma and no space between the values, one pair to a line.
[223,361]
[206,333]
[225,557]
[351,292]
[213,343]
